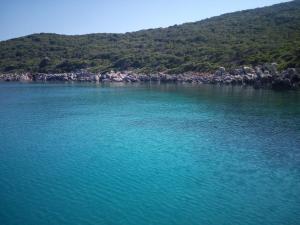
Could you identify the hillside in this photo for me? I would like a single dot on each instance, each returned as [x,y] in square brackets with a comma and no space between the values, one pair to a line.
[250,37]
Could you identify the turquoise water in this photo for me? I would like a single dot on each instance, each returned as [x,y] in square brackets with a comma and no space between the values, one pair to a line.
[141,154]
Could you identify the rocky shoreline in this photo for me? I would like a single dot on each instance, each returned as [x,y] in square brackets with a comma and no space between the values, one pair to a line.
[266,76]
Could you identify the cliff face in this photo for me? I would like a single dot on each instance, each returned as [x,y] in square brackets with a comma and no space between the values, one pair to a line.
[251,37]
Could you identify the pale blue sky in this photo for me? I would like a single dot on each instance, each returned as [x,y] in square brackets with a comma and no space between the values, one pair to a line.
[23,17]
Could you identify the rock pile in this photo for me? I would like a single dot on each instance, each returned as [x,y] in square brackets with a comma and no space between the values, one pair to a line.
[258,77]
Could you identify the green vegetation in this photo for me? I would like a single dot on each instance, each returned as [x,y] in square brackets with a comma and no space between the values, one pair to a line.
[251,37]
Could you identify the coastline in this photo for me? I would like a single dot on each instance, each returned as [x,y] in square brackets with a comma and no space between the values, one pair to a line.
[266,76]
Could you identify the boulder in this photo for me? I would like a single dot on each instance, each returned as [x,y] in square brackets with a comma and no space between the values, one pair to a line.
[220,72]
[130,78]
[248,79]
[238,79]
[144,78]
[291,73]
[154,77]
[248,70]
[288,73]
[258,71]
[117,79]
[271,67]
[239,71]
[167,78]
[24,77]
[95,78]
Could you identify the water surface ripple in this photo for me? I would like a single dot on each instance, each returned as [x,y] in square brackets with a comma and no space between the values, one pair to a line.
[148,154]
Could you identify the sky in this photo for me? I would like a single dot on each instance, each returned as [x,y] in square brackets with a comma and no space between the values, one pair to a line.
[23,17]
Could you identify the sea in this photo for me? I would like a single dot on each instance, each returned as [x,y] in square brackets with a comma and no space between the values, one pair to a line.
[148,154]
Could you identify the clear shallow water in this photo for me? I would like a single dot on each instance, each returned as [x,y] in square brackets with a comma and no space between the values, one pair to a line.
[161,154]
